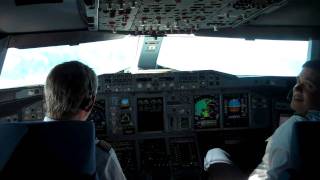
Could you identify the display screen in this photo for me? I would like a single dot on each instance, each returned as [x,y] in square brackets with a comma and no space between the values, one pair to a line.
[235,111]
[206,111]
[124,103]
[150,114]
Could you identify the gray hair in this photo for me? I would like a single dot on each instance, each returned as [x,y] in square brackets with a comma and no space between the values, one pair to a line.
[67,86]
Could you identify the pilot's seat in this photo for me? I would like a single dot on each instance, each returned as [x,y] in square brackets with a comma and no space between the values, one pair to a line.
[305,144]
[47,150]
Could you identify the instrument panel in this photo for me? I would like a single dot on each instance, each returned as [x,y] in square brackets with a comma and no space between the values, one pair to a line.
[182,101]
[162,124]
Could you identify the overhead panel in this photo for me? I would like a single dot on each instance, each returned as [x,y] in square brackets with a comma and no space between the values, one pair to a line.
[161,17]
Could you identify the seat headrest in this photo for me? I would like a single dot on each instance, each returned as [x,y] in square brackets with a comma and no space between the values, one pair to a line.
[48,150]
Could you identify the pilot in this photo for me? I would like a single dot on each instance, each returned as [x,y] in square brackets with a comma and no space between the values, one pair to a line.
[278,158]
[70,93]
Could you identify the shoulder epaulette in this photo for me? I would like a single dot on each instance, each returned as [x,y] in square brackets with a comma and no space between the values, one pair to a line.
[104,145]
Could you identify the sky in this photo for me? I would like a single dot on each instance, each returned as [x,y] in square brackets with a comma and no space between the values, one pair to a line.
[182,52]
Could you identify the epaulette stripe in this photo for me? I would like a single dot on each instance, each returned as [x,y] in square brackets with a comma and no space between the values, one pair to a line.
[104,145]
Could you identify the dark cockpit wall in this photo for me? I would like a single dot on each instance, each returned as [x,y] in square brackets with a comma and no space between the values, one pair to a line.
[27,24]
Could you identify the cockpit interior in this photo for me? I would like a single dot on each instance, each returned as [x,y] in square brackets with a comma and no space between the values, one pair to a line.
[175,77]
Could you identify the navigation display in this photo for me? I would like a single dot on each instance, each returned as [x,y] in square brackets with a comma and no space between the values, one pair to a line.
[206,111]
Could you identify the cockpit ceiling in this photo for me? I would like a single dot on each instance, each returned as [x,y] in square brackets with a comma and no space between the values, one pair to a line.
[40,17]
[274,19]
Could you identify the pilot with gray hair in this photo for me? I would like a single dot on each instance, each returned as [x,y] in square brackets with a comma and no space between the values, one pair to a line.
[70,93]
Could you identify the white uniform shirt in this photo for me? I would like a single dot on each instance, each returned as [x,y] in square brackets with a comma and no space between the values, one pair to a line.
[108,166]
[278,157]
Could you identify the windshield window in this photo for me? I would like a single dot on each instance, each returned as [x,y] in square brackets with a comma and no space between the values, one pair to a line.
[31,66]
[234,56]
[180,52]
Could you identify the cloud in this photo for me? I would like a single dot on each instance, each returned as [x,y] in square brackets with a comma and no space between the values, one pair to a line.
[31,66]
[234,56]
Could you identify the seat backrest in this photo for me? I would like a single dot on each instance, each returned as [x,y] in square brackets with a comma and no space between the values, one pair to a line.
[305,146]
[47,150]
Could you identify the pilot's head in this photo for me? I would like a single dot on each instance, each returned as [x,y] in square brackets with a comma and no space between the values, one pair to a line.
[306,92]
[70,91]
